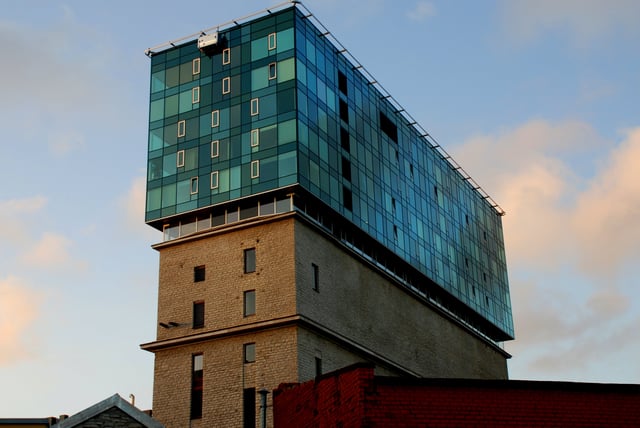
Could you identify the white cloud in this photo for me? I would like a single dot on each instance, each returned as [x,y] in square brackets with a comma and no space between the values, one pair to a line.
[422,11]
[14,220]
[51,251]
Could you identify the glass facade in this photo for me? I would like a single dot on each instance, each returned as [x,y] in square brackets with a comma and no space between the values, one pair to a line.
[279,106]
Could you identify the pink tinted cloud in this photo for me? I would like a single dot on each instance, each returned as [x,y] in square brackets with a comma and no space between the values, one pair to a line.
[19,307]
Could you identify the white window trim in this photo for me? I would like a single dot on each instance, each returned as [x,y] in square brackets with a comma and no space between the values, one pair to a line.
[271,41]
[182,128]
[215,118]
[194,180]
[226,85]
[195,66]
[215,152]
[273,66]
[255,137]
[255,169]
[226,56]
[195,95]
[214,177]
[255,106]
[180,158]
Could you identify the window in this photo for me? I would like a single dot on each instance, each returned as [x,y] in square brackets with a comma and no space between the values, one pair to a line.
[315,277]
[346,169]
[347,198]
[214,180]
[182,128]
[226,85]
[272,71]
[344,139]
[226,56]
[272,41]
[249,352]
[180,158]
[215,118]
[255,137]
[198,273]
[249,260]
[342,83]
[249,408]
[318,365]
[194,185]
[195,66]
[195,95]
[255,169]
[196,386]
[344,111]
[255,104]
[215,149]
[198,314]
[249,303]
[388,127]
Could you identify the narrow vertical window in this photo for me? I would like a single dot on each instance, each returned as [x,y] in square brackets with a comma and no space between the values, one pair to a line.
[196,386]
[195,66]
[249,351]
[255,169]
[347,198]
[344,111]
[318,366]
[344,139]
[255,106]
[180,158]
[198,273]
[226,85]
[215,148]
[194,185]
[226,56]
[198,314]
[315,277]
[249,260]
[346,169]
[272,41]
[214,180]
[342,82]
[195,95]
[255,137]
[215,118]
[272,71]
[249,408]
[182,128]
[249,303]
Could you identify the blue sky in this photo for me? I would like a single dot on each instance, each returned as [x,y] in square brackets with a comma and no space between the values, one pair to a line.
[536,99]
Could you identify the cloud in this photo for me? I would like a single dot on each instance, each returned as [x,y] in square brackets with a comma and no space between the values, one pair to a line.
[19,308]
[132,206]
[14,218]
[422,11]
[583,20]
[51,251]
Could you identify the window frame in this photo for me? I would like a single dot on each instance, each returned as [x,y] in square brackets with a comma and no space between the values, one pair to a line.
[315,277]
[255,169]
[195,95]
[215,152]
[182,128]
[249,264]
[198,314]
[226,85]
[215,118]
[249,309]
[199,273]
[195,66]
[226,56]
[214,174]
[197,383]
[194,190]
[255,106]
[249,352]
[272,41]
[273,66]
[255,137]
[179,158]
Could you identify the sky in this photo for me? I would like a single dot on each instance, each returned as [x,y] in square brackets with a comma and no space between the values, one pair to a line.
[536,99]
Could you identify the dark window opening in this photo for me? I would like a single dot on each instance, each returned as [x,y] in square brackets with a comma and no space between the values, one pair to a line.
[347,199]
[249,303]
[249,408]
[484,276]
[411,170]
[198,314]
[393,205]
[318,364]
[346,169]
[466,218]
[344,139]
[342,82]
[196,386]
[198,273]
[388,127]
[315,276]
[249,260]
[395,232]
[344,111]
[435,191]
[249,352]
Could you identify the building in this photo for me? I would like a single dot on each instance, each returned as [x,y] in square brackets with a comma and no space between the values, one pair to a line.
[354,397]
[308,223]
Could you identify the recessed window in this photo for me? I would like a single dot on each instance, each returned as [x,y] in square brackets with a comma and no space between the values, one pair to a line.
[195,95]
[342,82]
[272,41]
[347,198]
[255,137]
[249,351]
[395,232]
[272,71]
[344,111]
[180,158]
[215,118]
[318,366]
[346,169]
[249,408]
[198,314]
[388,127]
[249,260]
[249,303]
[215,148]
[226,56]
[196,386]
[255,106]
[194,185]
[344,139]
[255,169]
[198,273]
[315,277]
[214,180]
[195,66]
[226,85]
[182,128]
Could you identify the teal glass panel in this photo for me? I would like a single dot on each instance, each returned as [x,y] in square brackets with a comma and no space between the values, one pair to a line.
[259,78]
[286,70]
[154,198]
[284,40]
[158,82]
[287,132]
[157,110]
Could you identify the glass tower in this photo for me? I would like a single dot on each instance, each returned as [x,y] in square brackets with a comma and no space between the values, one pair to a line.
[273,116]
